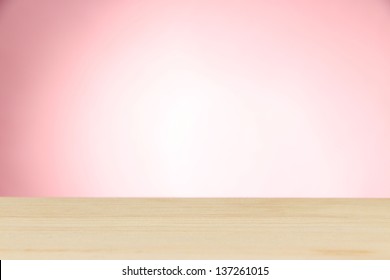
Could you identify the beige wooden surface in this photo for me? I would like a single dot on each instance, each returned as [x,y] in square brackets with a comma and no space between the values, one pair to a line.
[126,228]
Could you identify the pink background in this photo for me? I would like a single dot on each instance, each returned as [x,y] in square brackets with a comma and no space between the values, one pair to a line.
[195,98]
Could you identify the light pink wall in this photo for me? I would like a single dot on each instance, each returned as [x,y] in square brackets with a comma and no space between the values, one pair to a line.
[195,98]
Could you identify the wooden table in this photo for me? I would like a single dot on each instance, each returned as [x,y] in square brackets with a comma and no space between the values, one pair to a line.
[129,228]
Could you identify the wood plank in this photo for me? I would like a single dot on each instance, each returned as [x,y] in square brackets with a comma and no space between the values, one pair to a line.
[176,228]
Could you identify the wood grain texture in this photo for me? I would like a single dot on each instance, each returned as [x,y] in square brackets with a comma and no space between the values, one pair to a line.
[130,228]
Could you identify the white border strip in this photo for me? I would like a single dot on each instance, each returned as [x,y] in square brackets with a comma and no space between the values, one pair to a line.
[277,270]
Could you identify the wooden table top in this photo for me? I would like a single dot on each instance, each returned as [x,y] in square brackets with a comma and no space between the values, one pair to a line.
[132,228]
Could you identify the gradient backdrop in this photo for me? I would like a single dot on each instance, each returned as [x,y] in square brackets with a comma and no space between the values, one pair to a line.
[287,98]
